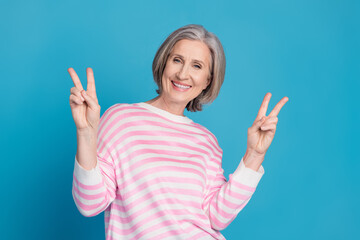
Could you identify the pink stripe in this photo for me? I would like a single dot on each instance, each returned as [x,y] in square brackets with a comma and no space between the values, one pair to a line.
[214,139]
[188,165]
[155,182]
[178,153]
[218,197]
[236,184]
[102,132]
[227,194]
[214,216]
[220,224]
[151,133]
[109,174]
[215,204]
[139,152]
[148,230]
[108,113]
[193,124]
[242,186]
[146,184]
[171,232]
[88,187]
[151,206]
[204,134]
[88,196]
[91,207]
[117,108]
[215,235]
[151,218]
[149,196]
[186,132]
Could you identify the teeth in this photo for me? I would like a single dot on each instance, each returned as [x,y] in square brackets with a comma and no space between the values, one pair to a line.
[181,86]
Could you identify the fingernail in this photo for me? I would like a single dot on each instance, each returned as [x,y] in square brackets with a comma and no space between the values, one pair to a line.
[82,98]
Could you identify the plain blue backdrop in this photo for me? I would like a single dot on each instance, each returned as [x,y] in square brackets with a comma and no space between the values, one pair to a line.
[305,50]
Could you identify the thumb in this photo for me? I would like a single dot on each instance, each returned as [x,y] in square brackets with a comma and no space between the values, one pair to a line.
[257,124]
[91,102]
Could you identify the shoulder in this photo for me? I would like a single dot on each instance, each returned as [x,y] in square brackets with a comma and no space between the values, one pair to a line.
[121,108]
[211,136]
[117,109]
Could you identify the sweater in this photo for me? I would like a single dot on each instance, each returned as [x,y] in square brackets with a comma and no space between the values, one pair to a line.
[159,176]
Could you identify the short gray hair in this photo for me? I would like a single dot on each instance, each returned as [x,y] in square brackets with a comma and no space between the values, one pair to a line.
[217,62]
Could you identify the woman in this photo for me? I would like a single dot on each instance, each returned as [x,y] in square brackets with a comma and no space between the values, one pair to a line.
[155,172]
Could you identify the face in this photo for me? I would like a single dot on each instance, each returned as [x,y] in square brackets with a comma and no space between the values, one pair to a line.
[186,73]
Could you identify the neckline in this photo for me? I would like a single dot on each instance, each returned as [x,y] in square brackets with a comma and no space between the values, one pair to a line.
[166,114]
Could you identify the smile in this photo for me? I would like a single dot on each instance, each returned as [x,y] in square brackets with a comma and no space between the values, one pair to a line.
[180,87]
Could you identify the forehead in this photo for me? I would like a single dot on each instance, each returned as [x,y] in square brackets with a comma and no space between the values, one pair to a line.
[193,50]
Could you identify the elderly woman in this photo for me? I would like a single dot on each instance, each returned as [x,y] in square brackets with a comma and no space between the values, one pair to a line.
[155,172]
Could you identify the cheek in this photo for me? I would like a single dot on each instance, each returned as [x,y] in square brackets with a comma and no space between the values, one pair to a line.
[169,70]
[166,73]
[201,78]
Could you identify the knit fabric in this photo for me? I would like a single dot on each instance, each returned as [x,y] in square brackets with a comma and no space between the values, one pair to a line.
[160,176]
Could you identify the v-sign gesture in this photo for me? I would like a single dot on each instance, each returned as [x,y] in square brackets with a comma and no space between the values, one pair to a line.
[261,133]
[84,104]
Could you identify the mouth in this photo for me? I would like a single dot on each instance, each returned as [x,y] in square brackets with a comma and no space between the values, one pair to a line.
[180,87]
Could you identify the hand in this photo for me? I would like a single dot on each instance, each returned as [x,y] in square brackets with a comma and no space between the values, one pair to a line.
[84,104]
[261,133]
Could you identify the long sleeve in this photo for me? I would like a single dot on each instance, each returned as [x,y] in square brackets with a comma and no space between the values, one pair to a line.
[225,199]
[93,190]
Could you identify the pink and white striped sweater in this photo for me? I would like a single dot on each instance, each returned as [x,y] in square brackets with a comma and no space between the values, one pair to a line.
[160,176]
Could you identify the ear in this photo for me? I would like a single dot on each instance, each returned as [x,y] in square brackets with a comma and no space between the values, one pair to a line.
[207,83]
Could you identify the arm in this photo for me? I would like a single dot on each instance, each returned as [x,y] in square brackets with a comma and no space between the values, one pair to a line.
[94,179]
[224,200]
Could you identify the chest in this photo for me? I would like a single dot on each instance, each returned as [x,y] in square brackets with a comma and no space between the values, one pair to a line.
[165,160]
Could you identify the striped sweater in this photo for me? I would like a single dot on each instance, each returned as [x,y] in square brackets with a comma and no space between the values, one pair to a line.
[160,176]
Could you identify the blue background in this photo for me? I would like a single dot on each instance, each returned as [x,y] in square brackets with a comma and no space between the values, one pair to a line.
[305,50]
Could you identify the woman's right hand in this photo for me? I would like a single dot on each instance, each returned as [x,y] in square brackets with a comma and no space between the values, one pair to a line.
[84,104]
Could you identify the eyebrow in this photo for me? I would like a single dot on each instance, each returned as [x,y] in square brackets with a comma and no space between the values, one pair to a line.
[196,60]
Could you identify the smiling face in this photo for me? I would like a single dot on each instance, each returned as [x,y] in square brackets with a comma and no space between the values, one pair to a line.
[186,73]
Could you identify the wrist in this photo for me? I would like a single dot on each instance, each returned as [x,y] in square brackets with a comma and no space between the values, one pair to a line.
[86,138]
[86,133]
[253,160]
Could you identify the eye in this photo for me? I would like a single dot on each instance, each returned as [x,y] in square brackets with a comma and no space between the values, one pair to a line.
[197,66]
[176,60]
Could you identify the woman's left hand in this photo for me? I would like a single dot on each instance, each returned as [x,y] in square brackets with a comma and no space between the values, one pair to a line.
[261,133]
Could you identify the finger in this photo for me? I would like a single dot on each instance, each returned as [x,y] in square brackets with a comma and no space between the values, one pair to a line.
[278,106]
[77,93]
[268,127]
[264,106]
[75,99]
[89,100]
[257,124]
[270,120]
[75,79]
[90,83]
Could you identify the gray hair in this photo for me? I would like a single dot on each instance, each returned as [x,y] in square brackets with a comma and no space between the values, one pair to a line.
[217,63]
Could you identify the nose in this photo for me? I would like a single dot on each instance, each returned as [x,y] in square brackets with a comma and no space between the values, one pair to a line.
[183,72]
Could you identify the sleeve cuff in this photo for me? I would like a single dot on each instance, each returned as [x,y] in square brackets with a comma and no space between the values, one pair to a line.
[89,177]
[247,176]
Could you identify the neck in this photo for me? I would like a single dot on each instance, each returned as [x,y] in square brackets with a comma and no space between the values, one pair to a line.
[171,107]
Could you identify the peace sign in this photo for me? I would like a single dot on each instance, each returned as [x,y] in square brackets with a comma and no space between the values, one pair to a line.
[84,104]
[261,133]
